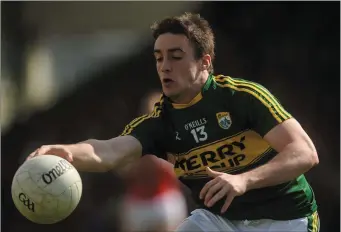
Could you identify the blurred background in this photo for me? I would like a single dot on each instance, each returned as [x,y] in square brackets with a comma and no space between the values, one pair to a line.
[77,70]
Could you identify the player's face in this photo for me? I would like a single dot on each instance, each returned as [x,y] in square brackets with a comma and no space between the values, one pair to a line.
[176,64]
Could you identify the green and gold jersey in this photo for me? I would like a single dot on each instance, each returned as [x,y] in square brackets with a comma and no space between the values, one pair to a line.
[223,128]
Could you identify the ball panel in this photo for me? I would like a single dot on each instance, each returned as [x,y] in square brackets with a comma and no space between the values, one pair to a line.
[28,186]
[76,194]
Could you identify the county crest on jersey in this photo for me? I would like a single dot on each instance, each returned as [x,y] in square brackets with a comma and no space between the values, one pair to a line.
[224,120]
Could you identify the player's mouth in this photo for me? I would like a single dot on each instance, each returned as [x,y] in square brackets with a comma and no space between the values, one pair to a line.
[167,81]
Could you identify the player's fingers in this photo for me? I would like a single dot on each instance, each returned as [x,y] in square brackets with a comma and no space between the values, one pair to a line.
[37,152]
[207,187]
[212,190]
[219,195]
[34,154]
[228,201]
[57,150]
[31,155]
[43,150]
[69,156]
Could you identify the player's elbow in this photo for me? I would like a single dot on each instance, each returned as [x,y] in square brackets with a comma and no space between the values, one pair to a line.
[314,158]
[306,149]
[306,156]
[311,158]
[312,154]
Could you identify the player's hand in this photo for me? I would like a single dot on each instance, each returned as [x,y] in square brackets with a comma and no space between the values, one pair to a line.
[57,150]
[223,185]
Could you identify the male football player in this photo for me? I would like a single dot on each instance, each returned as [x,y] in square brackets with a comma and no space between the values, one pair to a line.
[230,140]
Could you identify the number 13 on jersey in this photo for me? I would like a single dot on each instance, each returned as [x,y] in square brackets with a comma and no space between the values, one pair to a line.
[199,134]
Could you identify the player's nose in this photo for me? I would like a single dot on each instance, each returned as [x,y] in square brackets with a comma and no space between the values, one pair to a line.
[166,66]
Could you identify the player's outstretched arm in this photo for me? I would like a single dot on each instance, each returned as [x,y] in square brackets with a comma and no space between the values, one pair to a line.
[96,155]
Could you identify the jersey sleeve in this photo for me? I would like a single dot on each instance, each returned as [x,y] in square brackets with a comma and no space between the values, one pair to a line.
[147,129]
[264,110]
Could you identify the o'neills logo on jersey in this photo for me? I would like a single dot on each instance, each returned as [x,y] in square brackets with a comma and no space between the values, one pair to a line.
[61,167]
[224,120]
[195,124]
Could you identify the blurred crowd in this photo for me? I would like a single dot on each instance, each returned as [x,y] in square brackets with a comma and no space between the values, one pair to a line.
[291,48]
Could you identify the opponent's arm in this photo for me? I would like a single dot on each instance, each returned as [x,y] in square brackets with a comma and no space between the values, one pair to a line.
[96,155]
[297,154]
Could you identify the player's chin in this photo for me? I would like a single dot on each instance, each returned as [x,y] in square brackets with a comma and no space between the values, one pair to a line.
[171,93]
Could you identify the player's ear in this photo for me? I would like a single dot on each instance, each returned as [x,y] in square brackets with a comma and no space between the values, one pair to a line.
[206,62]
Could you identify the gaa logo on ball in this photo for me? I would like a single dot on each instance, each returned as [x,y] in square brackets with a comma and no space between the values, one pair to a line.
[46,189]
[26,201]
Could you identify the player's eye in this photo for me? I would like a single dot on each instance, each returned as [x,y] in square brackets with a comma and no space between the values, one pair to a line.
[158,59]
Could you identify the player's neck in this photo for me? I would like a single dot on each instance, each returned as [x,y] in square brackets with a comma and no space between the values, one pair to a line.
[191,93]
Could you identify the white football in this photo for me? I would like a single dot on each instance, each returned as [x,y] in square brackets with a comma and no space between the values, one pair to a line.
[46,189]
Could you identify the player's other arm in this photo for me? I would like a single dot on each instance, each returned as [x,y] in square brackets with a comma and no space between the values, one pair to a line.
[96,155]
[296,151]
[297,155]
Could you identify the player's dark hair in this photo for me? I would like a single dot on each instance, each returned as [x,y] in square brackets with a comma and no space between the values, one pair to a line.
[194,27]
